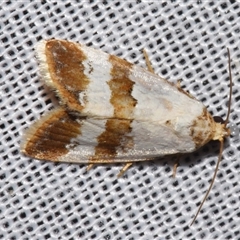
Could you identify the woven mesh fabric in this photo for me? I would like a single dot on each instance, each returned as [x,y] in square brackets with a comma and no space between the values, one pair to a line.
[185,40]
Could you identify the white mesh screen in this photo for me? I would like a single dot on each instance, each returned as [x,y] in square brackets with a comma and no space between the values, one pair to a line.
[185,40]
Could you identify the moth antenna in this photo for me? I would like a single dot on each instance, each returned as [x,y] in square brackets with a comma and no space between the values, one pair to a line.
[231,84]
[211,184]
[221,141]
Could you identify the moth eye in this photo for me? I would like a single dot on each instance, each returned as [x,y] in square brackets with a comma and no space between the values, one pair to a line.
[218,119]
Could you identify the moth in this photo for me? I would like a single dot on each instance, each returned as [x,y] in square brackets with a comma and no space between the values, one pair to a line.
[112,111]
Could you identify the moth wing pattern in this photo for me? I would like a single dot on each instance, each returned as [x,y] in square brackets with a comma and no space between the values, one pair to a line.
[63,137]
[112,110]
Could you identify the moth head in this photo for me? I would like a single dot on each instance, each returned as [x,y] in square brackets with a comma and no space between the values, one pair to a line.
[221,130]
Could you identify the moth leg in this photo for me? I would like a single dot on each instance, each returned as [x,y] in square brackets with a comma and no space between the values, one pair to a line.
[124,169]
[178,84]
[89,166]
[175,166]
[149,66]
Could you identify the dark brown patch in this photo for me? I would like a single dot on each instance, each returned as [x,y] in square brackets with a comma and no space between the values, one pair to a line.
[168,123]
[114,137]
[65,66]
[47,139]
[121,87]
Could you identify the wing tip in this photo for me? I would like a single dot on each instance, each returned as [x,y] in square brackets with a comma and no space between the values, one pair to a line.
[32,137]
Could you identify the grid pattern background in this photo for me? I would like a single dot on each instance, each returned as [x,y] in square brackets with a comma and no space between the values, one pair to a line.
[185,40]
